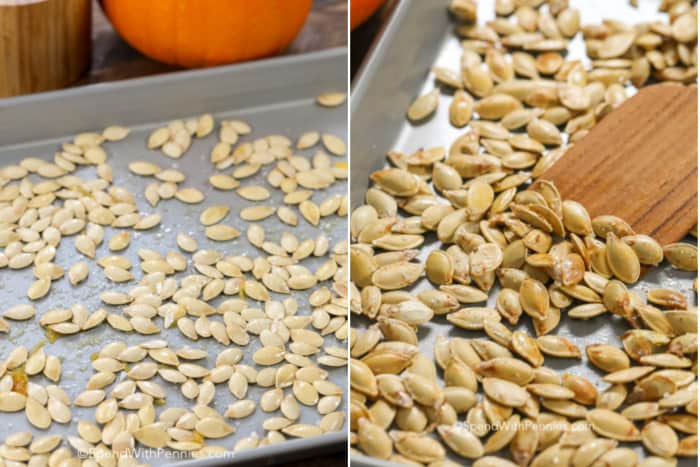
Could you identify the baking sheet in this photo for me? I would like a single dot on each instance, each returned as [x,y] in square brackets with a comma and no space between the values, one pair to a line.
[274,96]
[418,37]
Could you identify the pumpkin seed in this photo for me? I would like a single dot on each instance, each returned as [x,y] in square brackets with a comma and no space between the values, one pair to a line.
[19,312]
[607,357]
[152,435]
[189,195]
[144,168]
[504,392]
[223,182]
[11,401]
[622,259]
[684,256]
[423,106]
[256,213]
[461,109]
[612,425]
[333,144]
[659,439]
[331,99]
[221,232]
[37,414]
[119,241]
[213,427]
[115,133]
[461,441]
[558,346]
[39,289]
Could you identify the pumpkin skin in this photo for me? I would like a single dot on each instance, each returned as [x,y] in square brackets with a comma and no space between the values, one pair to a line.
[200,33]
[360,10]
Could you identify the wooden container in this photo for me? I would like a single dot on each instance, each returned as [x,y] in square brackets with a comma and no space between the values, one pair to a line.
[45,44]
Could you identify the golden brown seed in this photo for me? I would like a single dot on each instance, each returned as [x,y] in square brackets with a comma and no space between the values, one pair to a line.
[623,261]
[616,45]
[496,106]
[682,255]
[477,80]
[543,131]
[527,348]
[396,275]
[416,446]
[576,218]
[534,298]
[646,248]
[461,441]
[504,392]
[461,109]
[558,346]
[396,182]
[439,267]
[612,425]
[607,357]
[373,439]
[423,106]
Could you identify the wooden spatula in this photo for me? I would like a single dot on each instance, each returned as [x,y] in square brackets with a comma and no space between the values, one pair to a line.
[639,163]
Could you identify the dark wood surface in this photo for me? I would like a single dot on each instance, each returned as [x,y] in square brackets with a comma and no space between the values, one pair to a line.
[639,163]
[113,59]
[362,38]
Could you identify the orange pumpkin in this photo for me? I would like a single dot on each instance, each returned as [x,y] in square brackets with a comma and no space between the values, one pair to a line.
[360,10]
[197,33]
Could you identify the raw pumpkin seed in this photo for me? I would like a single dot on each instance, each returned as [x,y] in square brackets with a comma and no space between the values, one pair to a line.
[331,99]
[333,144]
[189,195]
[20,312]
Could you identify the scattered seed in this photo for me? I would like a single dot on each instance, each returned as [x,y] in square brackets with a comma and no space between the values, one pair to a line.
[115,133]
[189,195]
[213,215]
[331,99]
[334,144]
[423,106]
[20,312]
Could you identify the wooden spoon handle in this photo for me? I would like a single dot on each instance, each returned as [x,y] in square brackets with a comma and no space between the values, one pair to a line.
[639,163]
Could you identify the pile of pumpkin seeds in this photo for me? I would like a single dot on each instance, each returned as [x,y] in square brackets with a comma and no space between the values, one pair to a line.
[288,303]
[494,399]
[516,66]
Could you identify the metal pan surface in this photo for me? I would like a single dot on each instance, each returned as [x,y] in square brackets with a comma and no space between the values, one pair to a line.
[275,96]
[418,36]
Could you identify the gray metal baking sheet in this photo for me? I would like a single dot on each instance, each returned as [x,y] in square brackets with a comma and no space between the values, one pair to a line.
[275,96]
[419,36]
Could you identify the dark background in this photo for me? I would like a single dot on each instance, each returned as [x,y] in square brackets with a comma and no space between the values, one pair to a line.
[363,36]
[113,59]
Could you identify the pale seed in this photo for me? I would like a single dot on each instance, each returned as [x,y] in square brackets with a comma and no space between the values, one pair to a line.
[423,106]
[331,99]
